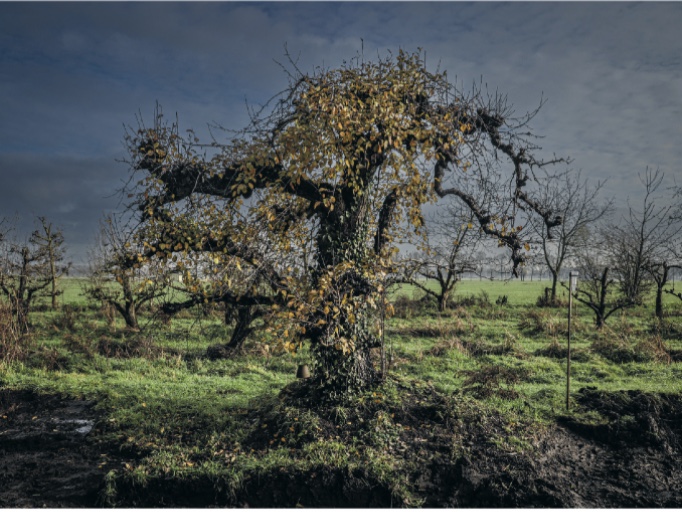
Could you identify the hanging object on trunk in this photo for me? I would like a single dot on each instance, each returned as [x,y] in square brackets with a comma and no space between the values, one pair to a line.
[303,372]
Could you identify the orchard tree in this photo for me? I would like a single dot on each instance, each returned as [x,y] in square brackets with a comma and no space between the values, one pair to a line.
[51,239]
[640,244]
[598,289]
[576,200]
[660,271]
[449,250]
[316,193]
[118,276]
[28,267]
[214,280]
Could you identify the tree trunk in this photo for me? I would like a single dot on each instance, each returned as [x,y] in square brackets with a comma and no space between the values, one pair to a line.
[21,309]
[242,328]
[599,319]
[53,276]
[659,302]
[54,295]
[604,283]
[129,314]
[337,374]
[341,239]
[443,302]
[555,279]
[660,283]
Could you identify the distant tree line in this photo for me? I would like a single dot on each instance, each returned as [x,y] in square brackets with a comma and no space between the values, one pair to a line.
[621,261]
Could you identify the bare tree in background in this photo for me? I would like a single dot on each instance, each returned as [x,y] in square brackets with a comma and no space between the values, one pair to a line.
[638,243]
[117,277]
[674,248]
[52,241]
[576,200]
[535,265]
[598,289]
[26,269]
[449,250]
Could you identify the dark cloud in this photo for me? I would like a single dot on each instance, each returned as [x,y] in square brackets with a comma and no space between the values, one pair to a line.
[74,193]
[72,74]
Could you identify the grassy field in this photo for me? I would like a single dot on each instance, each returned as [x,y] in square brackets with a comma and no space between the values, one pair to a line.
[169,413]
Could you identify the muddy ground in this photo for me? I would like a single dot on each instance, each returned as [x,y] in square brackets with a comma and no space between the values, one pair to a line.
[629,457]
[46,456]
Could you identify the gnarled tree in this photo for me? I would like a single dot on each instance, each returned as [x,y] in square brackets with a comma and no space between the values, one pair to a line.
[318,191]
[215,280]
[118,276]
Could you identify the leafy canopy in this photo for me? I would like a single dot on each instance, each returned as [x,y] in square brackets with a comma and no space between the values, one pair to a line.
[310,201]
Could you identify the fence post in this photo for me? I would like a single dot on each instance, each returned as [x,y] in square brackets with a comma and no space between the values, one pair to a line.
[573,284]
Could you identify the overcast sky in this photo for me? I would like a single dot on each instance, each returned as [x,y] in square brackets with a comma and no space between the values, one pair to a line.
[73,74]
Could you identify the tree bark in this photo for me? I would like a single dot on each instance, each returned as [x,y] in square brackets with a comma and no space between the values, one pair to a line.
[443,302]
[242,328]
[659,303]
[341,239]
[660,283]
[129,313]
[555,279]
[130,318]
[599,319]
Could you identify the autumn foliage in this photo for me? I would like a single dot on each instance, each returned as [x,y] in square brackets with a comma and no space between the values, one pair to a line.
[307,205]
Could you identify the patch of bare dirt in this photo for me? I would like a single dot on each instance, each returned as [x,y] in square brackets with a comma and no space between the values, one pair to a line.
[46,457]
[621,449]
[616,449]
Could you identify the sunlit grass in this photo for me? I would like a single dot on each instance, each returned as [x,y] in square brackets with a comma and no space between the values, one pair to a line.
[180,415]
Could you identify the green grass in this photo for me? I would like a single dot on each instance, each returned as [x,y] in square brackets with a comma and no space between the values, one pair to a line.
[179,415]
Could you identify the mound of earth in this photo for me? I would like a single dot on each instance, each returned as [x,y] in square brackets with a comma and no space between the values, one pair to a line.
[619,449]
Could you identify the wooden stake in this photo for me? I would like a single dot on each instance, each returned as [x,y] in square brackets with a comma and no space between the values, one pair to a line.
[568,353]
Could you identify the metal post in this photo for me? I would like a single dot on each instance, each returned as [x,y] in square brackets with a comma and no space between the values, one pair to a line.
[573,282]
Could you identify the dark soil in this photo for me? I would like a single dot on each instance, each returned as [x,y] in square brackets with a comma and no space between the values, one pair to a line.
[618,449]
[46,456]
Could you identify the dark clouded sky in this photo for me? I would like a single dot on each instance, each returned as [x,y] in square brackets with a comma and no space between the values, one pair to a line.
[73,74]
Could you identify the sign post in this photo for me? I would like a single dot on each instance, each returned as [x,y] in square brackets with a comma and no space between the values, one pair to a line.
[572,287]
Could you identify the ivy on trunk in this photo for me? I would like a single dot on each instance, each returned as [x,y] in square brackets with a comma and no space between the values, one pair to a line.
[309,203]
